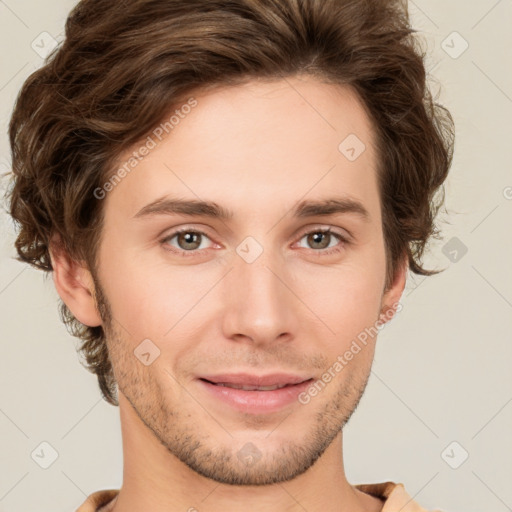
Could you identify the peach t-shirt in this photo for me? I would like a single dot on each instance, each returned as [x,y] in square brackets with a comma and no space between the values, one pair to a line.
[393,495]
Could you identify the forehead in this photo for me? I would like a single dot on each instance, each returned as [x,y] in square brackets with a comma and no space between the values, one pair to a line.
[252,145]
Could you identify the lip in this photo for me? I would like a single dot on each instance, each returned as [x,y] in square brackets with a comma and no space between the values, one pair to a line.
[246,379]
[256,402]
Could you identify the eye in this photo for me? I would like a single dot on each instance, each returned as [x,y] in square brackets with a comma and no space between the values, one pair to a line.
[188,240]
[321,238]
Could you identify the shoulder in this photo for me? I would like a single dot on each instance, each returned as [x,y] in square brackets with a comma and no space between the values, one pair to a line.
[98,499]
[394,496]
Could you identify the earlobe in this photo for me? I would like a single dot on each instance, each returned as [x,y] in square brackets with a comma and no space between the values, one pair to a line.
[75,286]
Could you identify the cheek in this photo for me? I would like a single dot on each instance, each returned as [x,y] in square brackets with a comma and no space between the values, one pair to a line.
[149,296]
[134,290]
[356,282]
[347,299]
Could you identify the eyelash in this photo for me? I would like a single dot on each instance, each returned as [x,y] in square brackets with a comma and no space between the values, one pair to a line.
[194,252]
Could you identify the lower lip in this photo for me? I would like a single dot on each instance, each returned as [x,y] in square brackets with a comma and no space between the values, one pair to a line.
[257,402]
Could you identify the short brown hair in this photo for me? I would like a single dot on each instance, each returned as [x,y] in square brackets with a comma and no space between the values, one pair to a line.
[125,64]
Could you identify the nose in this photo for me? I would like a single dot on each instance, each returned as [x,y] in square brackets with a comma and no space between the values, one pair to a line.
[260,305]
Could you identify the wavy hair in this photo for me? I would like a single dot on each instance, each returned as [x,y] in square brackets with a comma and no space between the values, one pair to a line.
[124,65]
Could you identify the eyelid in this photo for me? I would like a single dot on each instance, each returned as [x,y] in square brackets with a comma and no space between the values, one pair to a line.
[344,237]
[185,229]
[327,228]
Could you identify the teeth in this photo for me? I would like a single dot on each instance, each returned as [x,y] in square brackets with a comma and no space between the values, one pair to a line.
[250,388]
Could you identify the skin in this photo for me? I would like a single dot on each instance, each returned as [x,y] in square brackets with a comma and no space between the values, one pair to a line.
[256,149]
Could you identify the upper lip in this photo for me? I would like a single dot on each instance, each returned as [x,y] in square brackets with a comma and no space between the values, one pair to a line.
[245,379]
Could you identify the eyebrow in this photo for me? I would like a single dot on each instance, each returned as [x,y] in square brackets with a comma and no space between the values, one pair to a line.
[191,207]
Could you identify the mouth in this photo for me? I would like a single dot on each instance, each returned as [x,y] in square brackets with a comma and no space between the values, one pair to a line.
[255,394]
[249,388]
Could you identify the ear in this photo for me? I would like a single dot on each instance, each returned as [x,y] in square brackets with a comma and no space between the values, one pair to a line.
[75,285]
[392,295]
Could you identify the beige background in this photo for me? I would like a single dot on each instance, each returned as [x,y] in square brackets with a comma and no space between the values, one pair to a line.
[442,368]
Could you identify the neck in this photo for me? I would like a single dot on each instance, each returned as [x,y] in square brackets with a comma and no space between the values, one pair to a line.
[154,479]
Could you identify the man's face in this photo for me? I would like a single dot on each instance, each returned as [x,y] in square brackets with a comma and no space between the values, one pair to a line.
[261,293]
